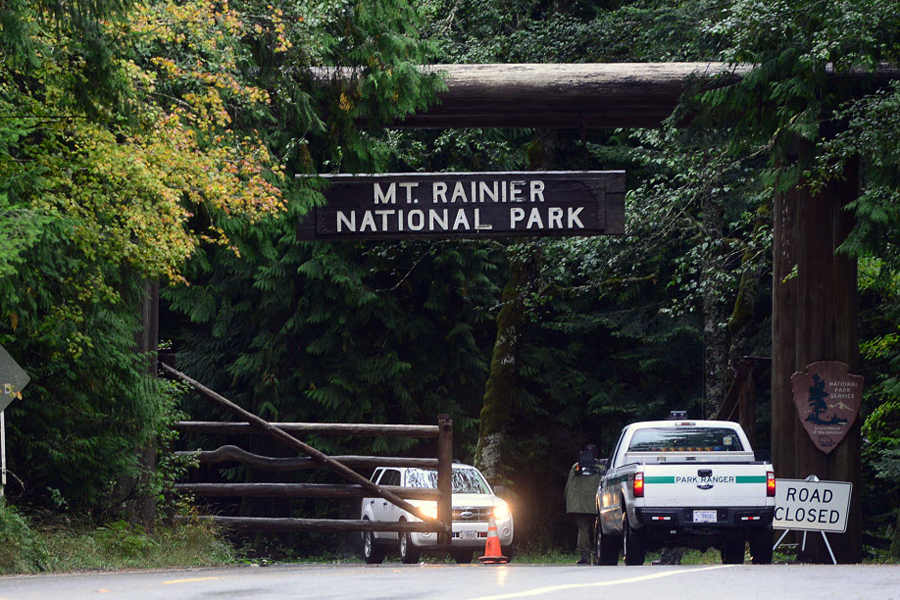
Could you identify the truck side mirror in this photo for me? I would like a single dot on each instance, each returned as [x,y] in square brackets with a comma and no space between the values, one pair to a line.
[499,490]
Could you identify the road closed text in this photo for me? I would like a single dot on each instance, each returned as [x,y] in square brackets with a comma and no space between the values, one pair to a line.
[812,505]
[807,515]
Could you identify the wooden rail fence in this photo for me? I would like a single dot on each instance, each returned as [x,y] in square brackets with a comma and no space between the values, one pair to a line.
[358,488]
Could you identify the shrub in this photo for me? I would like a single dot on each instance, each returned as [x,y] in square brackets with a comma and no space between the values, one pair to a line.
[21,550]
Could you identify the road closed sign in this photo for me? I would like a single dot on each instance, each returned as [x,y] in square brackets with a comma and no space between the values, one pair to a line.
[812,505]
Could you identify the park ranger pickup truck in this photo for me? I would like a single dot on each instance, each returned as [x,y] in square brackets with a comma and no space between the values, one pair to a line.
[683,483]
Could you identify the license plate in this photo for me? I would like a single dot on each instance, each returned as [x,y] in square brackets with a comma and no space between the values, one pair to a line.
[705,516]
[468,535]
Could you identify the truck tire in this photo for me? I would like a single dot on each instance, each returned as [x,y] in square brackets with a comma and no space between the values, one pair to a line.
[409,554]
[761,548]
[607,547]
[372,553]
[635,549]
[733,551]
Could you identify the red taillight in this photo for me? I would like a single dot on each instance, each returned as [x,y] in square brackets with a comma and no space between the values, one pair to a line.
[638,485]
[770,484]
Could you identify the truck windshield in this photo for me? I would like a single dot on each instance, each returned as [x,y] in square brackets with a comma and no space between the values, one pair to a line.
[462,481]
[685,439]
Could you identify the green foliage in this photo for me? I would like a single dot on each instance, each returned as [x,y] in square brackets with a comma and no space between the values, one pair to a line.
[123,538]
[474,31]
[127,139]
[377,333]
[794,47]
[66,546]
[22,550]
[90,403]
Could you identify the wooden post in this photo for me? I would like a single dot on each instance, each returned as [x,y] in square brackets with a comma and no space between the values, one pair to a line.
[445,473]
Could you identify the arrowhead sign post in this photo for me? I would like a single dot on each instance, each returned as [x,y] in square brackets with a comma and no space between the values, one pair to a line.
[12,380]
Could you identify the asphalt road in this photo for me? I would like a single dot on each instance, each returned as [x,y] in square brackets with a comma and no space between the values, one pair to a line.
[474,582]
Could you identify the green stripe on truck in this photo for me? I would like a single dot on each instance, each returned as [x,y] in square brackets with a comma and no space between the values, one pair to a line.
[659,479]
[750,479]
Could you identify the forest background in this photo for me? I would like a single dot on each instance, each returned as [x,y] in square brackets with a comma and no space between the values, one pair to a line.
[158,141]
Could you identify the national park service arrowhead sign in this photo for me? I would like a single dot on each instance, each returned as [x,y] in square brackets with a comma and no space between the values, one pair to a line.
[827,398]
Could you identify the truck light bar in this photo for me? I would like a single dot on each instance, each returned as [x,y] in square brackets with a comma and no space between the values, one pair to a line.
[660,518]
[750,518]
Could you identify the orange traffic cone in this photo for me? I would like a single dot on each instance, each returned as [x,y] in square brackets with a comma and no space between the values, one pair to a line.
[492,554]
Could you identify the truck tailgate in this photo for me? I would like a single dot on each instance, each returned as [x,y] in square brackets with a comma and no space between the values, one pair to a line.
[705,484]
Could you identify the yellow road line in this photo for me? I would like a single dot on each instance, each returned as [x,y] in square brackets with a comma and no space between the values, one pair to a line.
[171,581]
[574,586]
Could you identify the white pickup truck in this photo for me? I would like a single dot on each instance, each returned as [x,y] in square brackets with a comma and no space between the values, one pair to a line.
[683,483]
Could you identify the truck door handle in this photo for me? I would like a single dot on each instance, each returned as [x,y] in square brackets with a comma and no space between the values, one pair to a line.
[704,472]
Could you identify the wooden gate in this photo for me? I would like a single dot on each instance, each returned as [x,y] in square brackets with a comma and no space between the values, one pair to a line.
[358,488]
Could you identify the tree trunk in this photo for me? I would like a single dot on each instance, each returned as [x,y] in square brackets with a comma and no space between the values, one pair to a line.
[501,383]
[715,334]
[141,503]
[814,319]
[524,268]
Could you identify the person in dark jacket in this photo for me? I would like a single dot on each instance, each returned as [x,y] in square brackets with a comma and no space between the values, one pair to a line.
[581,492]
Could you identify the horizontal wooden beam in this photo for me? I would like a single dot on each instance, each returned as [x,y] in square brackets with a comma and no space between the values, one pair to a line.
[420,431]
[561,95]
[299,490]
[266,463]
[582,95]
[287,524]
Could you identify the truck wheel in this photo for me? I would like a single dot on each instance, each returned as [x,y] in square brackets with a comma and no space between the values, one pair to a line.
[635,549]
[733,552]
[607,547]
[409,554]
[761,548]
[372,553]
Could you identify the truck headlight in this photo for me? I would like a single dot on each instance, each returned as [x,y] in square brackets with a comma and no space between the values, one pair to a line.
[501,511]
[429,510]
